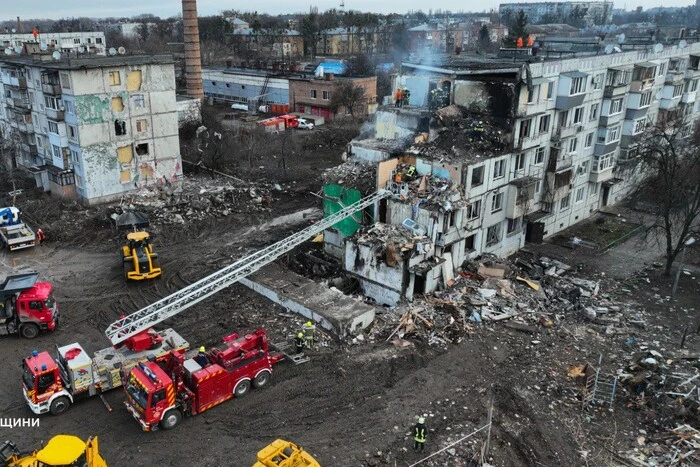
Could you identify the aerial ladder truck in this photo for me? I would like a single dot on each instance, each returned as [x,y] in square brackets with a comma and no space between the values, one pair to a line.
[53,385]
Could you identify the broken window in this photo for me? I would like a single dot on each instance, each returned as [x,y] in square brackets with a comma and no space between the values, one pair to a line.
[520,161]
[142,149]
[125,155]
[525,127]
[565,202]
[141,126]
[499,169]
[497,202]
[474,210]
[544,123]
[539,155]
[514,225]
[133,80]
[469,242]
[125,176]
[119,127]
[139,101]
[493,234]
[117,104]
[114,78]
[478,175]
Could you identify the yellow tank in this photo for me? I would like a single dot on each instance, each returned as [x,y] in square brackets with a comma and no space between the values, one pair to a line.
[61,450]
[281,453]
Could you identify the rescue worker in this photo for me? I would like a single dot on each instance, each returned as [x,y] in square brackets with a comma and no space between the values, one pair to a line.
[398,97]
[519,42]
[410,174]
[309,334]
[419,431]
[40,237]
[299,342]
[201,357]
[397,177]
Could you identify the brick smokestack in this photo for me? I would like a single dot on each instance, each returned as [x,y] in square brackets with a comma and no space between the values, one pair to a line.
[193,58]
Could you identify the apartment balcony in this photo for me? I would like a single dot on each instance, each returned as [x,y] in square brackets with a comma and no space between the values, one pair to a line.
[598,176]
[559,162]
[674,77]
[534,108]
[607,120]
[30,149]
[569,102]
[51,89]
[14,81]
[566,132]
[526,142]
[688,97]
[641,86]
[616,90]
[691,73]
[520,196]
[25,127]
[53,114]
[19,104]
[670,103]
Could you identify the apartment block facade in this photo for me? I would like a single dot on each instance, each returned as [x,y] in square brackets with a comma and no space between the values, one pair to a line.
[569,150]
[92,128]
[92,42]
[596,12]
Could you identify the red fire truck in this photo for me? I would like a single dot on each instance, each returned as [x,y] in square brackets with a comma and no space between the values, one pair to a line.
[161,393]
[27,307]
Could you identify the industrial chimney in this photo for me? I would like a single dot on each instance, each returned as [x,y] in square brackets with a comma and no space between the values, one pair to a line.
[193,58]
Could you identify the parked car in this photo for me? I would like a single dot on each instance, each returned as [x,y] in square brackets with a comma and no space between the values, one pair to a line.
[305,124]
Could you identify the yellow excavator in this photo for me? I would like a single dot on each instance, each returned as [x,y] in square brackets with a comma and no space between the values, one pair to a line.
[138,258]
[61,450]
[281,453]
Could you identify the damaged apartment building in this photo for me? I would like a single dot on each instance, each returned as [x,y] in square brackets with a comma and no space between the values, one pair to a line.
[91,128]
[516,152]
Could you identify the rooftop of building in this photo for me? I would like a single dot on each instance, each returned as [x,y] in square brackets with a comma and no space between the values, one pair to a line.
[261,72]
[79,63]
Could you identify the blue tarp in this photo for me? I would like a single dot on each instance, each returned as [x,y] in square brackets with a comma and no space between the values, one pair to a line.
[336,68]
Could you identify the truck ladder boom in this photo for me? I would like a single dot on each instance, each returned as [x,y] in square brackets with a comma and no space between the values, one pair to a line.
[147,317]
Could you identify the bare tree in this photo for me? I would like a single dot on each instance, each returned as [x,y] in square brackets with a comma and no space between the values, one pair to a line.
[670,183]
[346,94]
[9,149]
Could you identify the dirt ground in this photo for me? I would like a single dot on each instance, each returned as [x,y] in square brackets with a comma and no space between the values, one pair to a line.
[352,405]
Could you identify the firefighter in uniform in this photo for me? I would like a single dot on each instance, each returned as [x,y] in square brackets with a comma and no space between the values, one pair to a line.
[309,334]
[299,342]
[419,435]
[411,174]
[201,357]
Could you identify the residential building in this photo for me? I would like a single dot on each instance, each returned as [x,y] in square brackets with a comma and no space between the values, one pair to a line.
[346,41]
[595,12]
[428,37]
[92,42]
[238,24]
[92,128]
[282,44]
[528,149]
[313,96]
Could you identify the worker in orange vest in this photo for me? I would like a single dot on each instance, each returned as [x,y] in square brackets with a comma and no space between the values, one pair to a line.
[519,42]
[530,42]
[398,97]
[40,236]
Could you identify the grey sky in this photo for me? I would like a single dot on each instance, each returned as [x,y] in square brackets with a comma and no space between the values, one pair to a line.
[165,8]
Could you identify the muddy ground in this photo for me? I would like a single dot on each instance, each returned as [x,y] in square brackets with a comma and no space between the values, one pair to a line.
[352,405]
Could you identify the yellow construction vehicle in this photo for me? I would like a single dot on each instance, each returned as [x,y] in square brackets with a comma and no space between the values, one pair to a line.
[61,450]
[281,453]
[138,258]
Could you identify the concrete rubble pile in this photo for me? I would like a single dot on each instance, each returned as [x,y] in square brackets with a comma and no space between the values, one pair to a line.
[431,191]
[528,294]
[196,200]
[458,129]
[360,176]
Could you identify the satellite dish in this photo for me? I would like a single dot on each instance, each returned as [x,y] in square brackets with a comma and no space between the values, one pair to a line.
[8,51]
[683,44]
[56,55]
[43,47]
[81,49]
[121,50]
[621,38]
[609,49]
[18,49]
[112,51]
[658,48]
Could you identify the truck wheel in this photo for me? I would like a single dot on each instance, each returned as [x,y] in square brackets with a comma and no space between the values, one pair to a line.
[262,379]
[29,331]
[170,419]
[242,388]
[59,405]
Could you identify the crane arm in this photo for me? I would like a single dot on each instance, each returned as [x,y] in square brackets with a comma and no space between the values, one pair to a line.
[147,317]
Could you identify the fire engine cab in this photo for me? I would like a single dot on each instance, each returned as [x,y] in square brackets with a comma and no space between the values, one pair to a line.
[161,393]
